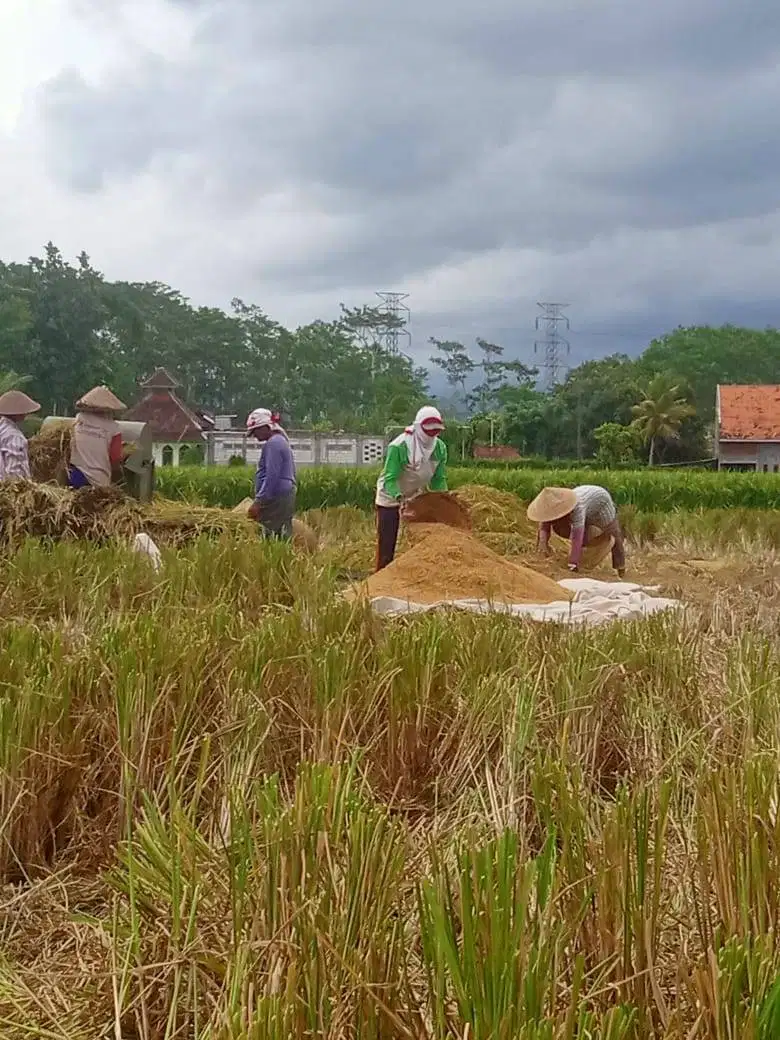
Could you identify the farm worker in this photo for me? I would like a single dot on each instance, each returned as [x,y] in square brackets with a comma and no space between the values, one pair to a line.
[96,441]
[14,458]
[275,481]
[416,461]
[570,512]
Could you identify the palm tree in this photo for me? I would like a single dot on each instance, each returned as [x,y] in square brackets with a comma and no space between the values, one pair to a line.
[11,380]
[660,414]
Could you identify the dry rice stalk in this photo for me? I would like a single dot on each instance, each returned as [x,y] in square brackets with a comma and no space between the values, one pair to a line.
[49,453]
[30,510]
[176,523]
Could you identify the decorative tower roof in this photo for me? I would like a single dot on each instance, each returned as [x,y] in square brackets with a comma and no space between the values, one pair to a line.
[168,416]
[160,379]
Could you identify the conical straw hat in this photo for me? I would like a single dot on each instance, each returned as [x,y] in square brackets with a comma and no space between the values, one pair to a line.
[551,504]
[14,402]
[101,399]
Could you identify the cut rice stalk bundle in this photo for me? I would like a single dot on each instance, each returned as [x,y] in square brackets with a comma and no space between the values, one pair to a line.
[49,452]
[29,510]
[178,523]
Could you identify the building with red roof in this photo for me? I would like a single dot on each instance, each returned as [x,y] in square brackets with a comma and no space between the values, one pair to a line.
[173,423]
[747,427]
[499,452]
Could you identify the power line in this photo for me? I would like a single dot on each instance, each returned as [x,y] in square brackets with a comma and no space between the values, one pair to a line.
[553,346]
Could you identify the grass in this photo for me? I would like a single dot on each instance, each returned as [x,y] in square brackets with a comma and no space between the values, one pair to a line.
[646,490]
[235,806]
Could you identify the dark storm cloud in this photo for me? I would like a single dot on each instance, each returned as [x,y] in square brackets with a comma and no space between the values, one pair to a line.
[439,131]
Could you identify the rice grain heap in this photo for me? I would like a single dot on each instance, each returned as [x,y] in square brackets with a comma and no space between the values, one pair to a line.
[449,564]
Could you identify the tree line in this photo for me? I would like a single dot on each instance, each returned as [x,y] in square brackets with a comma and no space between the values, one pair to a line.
[658,407]
[64,327]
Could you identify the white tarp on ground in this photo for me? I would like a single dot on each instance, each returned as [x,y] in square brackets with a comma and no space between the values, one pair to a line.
[595,603]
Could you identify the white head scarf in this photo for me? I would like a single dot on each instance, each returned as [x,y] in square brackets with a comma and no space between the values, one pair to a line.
[420,444]
[264,417]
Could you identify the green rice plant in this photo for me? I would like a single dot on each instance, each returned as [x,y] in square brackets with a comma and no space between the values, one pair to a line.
[648,490]
[311,888]
[491,941]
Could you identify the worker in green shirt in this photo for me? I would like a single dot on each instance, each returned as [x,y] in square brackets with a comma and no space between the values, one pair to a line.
[416,461]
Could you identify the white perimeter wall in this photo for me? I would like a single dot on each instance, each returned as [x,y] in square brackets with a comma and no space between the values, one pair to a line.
[309,449]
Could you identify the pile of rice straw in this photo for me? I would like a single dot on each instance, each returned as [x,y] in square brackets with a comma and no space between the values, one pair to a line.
[176,523]
[48,511]
[30,510]
[49,452]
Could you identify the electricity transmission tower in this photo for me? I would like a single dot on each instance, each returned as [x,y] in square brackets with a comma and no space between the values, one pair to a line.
[553,346]
[395,336]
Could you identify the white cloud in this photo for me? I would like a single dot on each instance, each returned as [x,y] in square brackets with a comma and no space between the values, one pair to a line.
[463,152]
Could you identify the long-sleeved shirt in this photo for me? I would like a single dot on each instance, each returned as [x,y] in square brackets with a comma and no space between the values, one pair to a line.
[276,469]
[594,508]
[398,480]
[14,457]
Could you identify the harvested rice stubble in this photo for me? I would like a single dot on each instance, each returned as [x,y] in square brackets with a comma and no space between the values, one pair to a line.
[445,563]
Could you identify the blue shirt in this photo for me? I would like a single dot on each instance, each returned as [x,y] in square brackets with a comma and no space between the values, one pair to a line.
[276,469]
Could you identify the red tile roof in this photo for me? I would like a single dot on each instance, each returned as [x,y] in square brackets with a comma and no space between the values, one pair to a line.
[168,416]
[160,379]
[749,413]
[496,451]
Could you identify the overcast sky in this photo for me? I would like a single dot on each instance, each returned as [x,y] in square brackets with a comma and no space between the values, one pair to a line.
[480,155]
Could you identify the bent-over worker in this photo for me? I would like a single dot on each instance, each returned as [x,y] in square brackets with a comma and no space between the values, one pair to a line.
[275,480]
[96,440]
[570,512]
[416,461]
[14,455]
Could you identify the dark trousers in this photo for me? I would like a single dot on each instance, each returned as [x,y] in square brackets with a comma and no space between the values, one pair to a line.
[388,520]
[277,516]
[76,478]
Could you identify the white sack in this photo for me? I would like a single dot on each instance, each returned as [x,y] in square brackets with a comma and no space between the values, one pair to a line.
[142,543]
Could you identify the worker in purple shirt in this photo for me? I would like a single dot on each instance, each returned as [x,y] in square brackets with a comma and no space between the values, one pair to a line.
[275,484]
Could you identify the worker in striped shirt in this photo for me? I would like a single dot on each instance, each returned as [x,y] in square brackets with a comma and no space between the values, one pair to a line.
[572,513]
[14,458]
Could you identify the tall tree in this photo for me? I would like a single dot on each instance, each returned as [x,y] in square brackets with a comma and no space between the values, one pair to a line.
[484,396]
[596,392]
[454,361]
[63,353]
[531,421]
[703,356]
[660,414]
